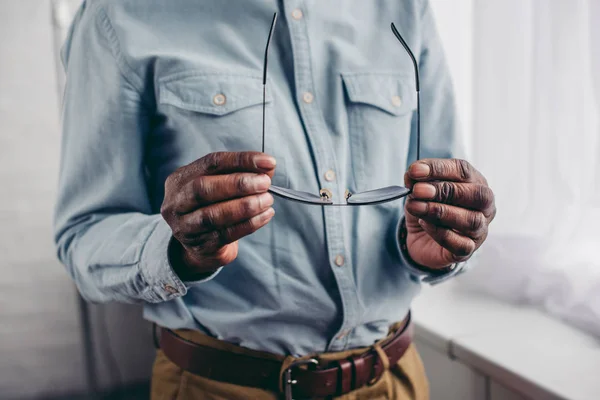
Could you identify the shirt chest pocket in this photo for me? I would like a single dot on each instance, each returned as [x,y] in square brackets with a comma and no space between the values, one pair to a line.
[380,108]
[217,112]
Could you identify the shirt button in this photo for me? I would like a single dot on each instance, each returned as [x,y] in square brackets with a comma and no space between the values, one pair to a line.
[342,335]
[308,97]
[220,99]
[339,260]
[170,289]
[396,101]
[297,14]
[329,175]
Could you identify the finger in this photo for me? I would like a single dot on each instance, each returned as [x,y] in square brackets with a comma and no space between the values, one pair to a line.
[408,183]
[472,224]
[220,216]
[223,256]
[458,248]
[227,162]
[222,163]
[433,169]
[205,190]
[211,242]
[474,196]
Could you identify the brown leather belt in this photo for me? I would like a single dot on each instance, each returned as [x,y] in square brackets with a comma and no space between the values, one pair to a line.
[334,379]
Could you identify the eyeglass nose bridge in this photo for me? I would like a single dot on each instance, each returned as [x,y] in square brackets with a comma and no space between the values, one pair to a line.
[326,194]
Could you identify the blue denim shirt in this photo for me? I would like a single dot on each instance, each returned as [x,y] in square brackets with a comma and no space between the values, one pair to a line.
[142,76]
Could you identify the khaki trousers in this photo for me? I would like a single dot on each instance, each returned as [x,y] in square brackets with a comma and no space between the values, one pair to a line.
[404,381]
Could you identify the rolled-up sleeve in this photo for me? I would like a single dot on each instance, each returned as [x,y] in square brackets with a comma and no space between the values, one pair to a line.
[106,235]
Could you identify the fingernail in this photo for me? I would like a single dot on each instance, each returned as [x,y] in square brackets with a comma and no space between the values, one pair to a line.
[419,170]
[261,182]
[418,207]
[268,214]
[265,162]
[265,200]
[421,222]
[424,191]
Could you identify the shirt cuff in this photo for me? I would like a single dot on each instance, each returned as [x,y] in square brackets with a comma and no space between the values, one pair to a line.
[432,278]
[162,283]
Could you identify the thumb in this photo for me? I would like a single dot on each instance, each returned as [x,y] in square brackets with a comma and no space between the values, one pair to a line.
[408,182]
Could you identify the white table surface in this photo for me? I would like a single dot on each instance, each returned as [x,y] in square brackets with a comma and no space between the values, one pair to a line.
[518,346]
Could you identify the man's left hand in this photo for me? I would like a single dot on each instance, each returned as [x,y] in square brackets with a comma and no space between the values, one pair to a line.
[448,211]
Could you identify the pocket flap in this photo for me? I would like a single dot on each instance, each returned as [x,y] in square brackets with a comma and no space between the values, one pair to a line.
[212,93]
[393,93]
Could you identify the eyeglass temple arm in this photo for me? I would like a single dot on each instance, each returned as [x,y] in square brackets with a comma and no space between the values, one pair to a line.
[265,77]
[400,39]
[416,67]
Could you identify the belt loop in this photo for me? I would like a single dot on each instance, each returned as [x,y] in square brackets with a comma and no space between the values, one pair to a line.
[361,373]
[382,360]
[155,336]
[346,379]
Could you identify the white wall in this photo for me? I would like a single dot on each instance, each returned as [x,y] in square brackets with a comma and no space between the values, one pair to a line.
[455,25]
[40,347]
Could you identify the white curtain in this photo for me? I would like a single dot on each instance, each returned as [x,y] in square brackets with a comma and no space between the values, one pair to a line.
[536,136]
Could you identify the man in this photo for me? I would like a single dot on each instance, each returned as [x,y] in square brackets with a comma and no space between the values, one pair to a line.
[164,193]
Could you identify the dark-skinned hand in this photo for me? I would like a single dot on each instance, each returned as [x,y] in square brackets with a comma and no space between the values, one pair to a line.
[448,211]
[212,203]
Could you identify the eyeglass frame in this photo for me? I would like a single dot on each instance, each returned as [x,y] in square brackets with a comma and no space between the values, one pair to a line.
[325,194]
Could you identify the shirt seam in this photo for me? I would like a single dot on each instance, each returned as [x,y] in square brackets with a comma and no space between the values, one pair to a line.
[375,73]
[141,256]
[126,70]
[424,8]
[196,73]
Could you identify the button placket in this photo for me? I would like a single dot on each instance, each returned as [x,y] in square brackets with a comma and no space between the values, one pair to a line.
[343,334]
[308,97]
[297,14]
[324,155]
[329,175]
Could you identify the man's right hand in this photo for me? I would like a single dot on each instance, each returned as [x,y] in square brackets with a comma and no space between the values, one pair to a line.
[212,203]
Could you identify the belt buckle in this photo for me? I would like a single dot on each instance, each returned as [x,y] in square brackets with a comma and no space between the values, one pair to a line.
[288,382]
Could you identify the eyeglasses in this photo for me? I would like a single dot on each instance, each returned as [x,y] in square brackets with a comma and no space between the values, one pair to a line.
[382,195]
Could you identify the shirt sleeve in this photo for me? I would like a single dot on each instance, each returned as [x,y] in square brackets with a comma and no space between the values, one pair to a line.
[441,135]
[111,243]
